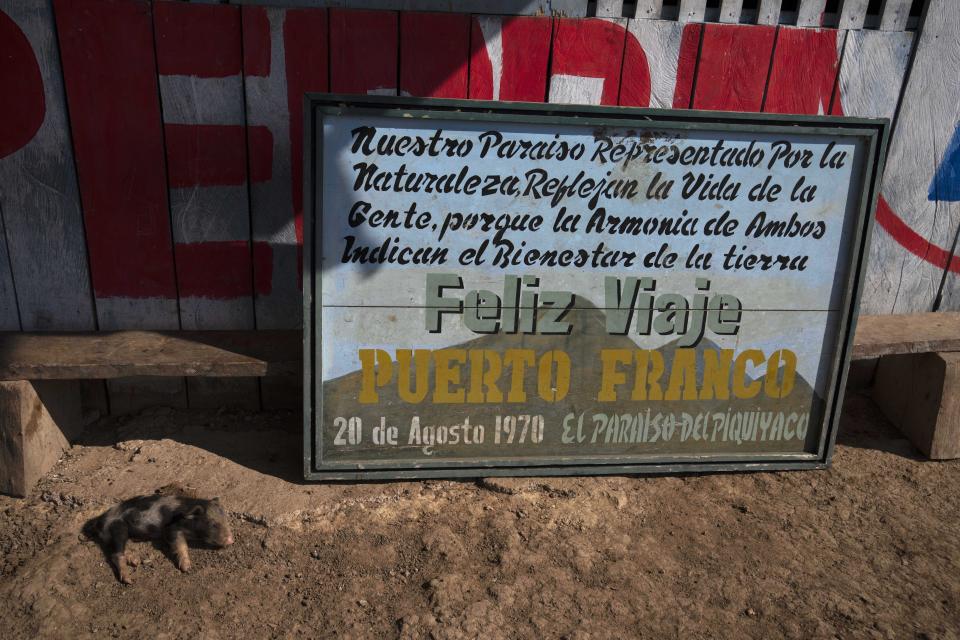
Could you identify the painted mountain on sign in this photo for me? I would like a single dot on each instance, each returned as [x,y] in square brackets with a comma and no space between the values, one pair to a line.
[617,428]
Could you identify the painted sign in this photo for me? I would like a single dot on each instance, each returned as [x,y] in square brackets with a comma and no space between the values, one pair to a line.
[577,289]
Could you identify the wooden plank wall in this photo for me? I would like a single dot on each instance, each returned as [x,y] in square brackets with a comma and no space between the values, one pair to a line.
[920,209]
[150,158]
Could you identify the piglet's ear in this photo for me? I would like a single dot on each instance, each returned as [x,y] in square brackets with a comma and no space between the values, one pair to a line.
[217,500]
[197,510]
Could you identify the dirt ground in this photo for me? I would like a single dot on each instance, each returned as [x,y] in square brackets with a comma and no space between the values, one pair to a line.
[869,548]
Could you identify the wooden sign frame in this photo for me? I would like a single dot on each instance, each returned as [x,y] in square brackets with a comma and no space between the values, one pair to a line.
[872,132]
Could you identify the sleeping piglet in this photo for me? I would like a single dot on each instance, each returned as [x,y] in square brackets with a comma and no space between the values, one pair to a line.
[173,519]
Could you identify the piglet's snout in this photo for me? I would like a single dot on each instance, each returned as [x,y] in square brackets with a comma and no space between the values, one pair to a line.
[229,540]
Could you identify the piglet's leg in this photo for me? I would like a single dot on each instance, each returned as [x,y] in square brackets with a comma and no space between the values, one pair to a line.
[117,542]
[178,546]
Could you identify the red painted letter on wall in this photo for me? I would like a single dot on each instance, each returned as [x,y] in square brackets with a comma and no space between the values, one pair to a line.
[587,57]
[508,58]
[110,76]
[732,71]
[434,52]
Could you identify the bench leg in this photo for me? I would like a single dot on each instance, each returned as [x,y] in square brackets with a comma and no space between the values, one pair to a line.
[37,421]
[920,394]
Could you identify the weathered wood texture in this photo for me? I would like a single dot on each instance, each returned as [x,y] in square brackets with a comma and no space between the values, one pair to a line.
[650,9]
[902,334]
[769,12]
[284,55]
[9,316]
[363,51]
[509,58]
[109,67]
[37,421]
[609,8]
[201,89]
[434,54]
[692,10]
[853,13]
[586,61]
[929,415]
[733,67]
[810,13]
[871,74]
[38,183]
[895,14]
[659,70]
[56,356]
[109,71]
[908,262]
[806,88]
[730,11]
[199,64]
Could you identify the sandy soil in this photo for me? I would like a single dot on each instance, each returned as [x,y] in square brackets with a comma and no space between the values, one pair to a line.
[869,548]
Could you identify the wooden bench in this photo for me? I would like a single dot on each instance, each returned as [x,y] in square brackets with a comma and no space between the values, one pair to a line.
[40,408]
[917,379]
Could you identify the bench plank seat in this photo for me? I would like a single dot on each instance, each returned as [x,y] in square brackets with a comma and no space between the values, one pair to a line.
[120,354]
[904,334]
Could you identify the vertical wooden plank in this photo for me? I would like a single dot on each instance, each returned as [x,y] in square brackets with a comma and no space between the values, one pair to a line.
[109,74]
[306,51]
[661,75]
[732,71]
[687,65]
[871,73]
[810,13]
[853,13]
[803,87]
[271,200]
[692,10]
[41,204]
[434,54]
[894,15]
[509,57]
[109,70]
[201,89]
[769,12]
[9,316]
[649,9]
[921,221]
[363,51]
[284,55]
[730,11]
[587,59]
[609,8]
[199,64]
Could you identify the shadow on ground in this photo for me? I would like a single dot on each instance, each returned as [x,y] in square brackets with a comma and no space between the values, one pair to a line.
[270,443]
[864,426]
